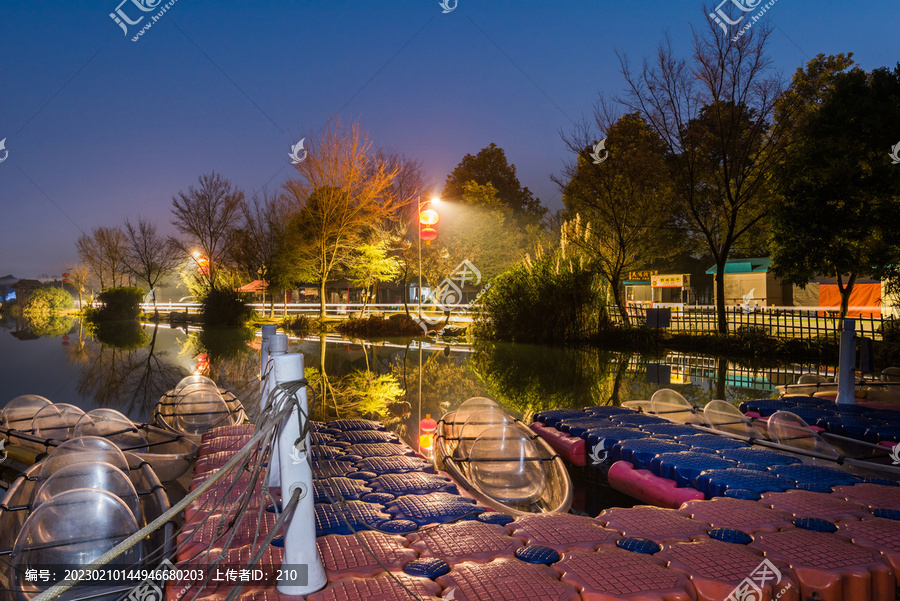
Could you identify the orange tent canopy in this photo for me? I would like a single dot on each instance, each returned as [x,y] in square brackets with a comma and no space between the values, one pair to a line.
[862,295]
[254,286]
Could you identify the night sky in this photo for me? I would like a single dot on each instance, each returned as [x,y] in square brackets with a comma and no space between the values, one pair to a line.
[100,128]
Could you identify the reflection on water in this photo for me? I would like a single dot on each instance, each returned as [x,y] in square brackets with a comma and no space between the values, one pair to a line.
[396,381]
[127,379]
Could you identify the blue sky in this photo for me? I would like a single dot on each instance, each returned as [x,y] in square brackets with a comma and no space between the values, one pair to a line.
[100,128]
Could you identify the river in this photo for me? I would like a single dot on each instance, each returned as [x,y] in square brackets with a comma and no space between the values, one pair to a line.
[396,380]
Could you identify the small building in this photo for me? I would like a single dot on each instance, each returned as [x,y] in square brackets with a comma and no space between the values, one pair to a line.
[652,289]
[24,288]
[638,291]
[750,279]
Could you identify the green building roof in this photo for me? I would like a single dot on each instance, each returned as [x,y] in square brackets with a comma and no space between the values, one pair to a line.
[759,265]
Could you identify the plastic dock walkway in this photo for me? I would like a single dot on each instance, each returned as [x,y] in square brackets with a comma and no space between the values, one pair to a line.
[416,534]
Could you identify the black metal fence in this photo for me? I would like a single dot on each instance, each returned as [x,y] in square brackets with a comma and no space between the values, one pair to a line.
[781,322]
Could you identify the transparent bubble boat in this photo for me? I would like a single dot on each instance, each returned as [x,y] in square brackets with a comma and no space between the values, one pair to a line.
[32,426]
[196,405]
[501,461]
[67,510]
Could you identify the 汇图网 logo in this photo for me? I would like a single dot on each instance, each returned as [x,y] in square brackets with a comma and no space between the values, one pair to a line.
[449,292]
[894,154]
[598,148]
[296,159]
[751,588]
[599,453]
[721,17]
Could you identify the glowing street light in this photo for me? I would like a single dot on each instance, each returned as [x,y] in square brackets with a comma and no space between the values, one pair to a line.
[202,262]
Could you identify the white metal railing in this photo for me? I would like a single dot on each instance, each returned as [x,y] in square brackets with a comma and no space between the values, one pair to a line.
[459,313]
[780,321]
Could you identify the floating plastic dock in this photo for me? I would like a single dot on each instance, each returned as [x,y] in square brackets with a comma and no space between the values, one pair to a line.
[414,533]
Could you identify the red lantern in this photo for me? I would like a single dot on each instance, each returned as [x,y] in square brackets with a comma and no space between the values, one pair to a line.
[427,428]
[427,425]
[428,234]
[428,217]
[202,364]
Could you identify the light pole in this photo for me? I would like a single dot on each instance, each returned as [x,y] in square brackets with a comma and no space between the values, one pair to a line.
[419,230]
[262,277]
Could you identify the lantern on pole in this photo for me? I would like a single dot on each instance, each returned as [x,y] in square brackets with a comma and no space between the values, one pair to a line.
[427,219]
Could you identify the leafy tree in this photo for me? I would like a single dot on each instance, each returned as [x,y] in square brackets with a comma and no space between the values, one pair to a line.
[48,300]
[225,306]
[371,265]
[480,228]
[714,114]
[121,303]
[447,382]
[339,195]
[129,380]
[366,394]
[104,251]
[490,166]
[149,256]
[207,216]
[839,208]
[49,325]
[626,201]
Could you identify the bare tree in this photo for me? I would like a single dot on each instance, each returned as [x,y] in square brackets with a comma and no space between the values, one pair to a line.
[339,194]
[150,257]
[257,244]
[104,253]
[78,275]
[714,114]
[89,253]
[405,191]
[208,216]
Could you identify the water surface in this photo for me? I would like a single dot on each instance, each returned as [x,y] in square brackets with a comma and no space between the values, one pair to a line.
[398,381]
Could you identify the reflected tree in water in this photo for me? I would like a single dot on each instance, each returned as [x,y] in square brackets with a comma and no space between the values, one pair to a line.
[342,389]
[227,356]
[128,379]
[49,325]
[446,381]
[528,379]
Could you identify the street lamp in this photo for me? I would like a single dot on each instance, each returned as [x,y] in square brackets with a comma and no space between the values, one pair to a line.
[428,218]
[202,262]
